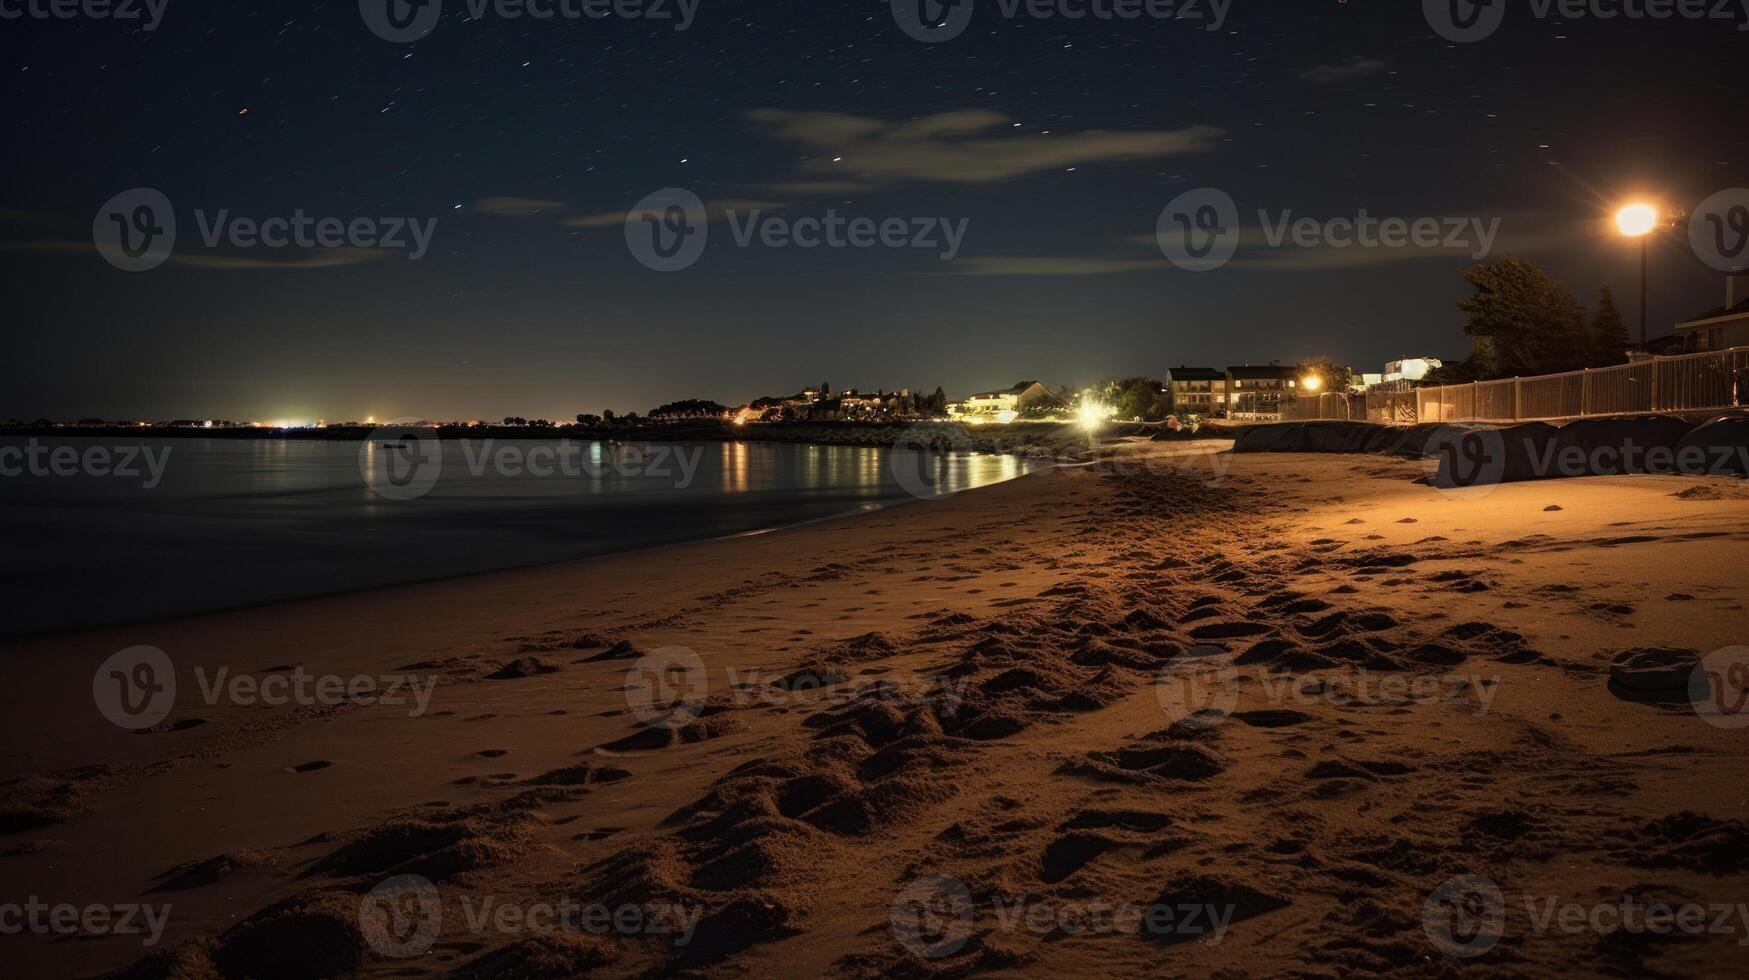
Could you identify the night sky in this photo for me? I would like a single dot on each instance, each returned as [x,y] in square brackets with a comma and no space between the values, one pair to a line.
[1060,142]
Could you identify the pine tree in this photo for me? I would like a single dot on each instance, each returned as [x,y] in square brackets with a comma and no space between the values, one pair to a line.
[1609,335]
[1522,322]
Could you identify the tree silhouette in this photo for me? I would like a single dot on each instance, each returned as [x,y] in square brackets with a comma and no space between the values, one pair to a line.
[1521,321]
[1609,335]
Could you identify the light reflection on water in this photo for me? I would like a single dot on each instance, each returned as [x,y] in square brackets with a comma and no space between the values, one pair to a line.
[242,521]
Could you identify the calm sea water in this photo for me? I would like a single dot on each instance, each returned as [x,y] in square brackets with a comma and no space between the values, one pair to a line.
[235,522]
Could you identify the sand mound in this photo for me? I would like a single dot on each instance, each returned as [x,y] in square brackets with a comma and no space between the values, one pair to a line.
[1689,841]
[1653,669]
[438,851]
[198,874]
[523,667]
[1237,899]
[308,936]
[545,958]
[1720,447]
[586,774]
[1151,763]
[40,799]
[191,961]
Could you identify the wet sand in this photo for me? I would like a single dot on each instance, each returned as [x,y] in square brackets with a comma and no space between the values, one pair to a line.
[1301,692]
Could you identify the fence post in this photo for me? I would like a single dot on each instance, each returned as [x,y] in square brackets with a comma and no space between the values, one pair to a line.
[1517,398]
[1585,392]
[1654,363]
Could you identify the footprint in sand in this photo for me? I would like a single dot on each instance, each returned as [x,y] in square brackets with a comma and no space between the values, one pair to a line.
[316,766]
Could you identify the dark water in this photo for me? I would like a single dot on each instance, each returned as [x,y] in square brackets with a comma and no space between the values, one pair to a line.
[235,522]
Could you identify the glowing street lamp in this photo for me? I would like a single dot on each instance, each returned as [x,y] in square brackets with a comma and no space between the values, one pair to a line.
[1311,382]
[1639,221]
[1093,413]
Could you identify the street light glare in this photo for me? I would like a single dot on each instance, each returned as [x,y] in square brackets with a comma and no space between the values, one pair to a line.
[1312,382]
[1636,219]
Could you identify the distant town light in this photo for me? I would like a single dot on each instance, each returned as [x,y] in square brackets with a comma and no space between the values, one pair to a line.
[1636,220]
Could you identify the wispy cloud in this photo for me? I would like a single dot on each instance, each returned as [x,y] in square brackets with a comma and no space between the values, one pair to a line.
[969,146]
[717,210]
[515,207]
[1051,266]
[328,258]
[1352,68]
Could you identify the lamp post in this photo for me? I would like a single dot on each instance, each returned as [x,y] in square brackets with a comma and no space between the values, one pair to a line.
[1638,221]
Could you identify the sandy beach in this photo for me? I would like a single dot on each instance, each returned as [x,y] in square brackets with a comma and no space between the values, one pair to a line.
[1171,712]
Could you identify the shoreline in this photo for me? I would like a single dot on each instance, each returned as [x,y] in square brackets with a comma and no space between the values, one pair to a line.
[1040,439]
[1060,772]
[596,520]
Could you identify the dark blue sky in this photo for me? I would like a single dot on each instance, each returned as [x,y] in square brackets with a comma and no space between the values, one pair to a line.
[1314,106]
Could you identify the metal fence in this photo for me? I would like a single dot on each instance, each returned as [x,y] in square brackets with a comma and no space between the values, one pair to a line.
[1683,382]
